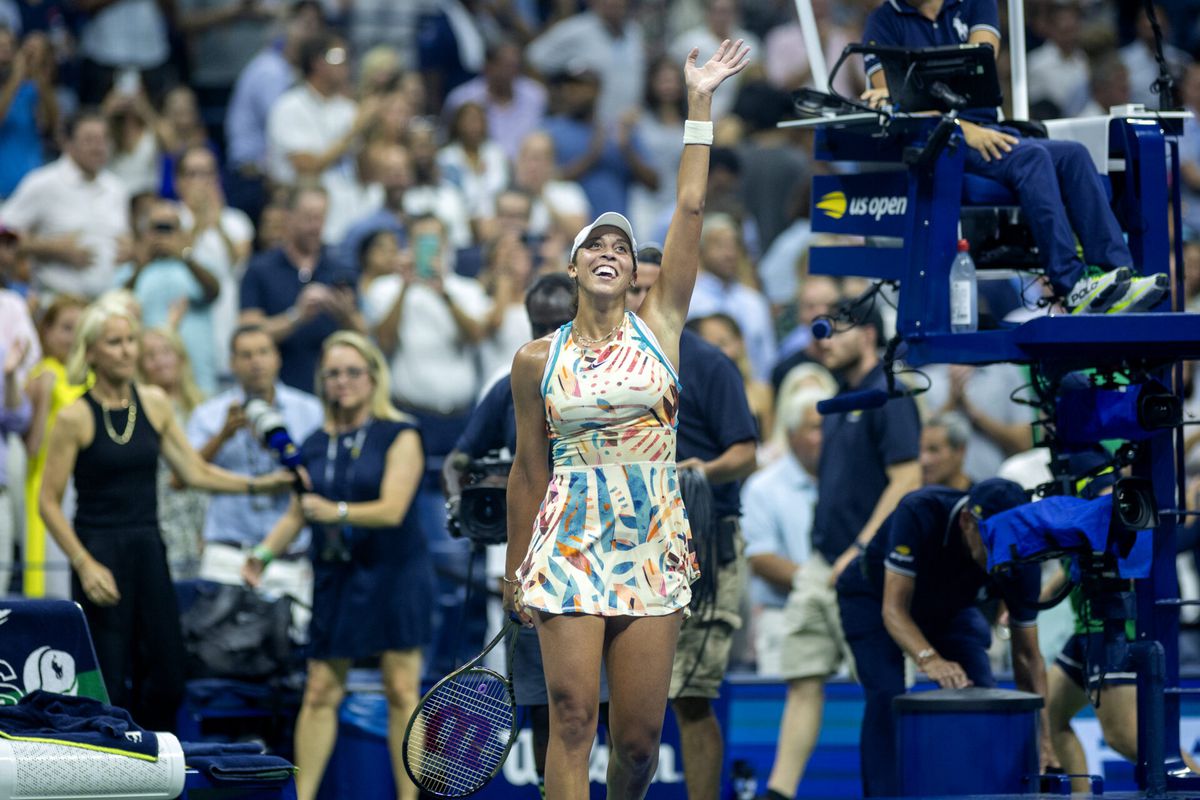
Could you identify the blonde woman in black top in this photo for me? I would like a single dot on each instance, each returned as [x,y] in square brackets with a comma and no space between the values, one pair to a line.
[110,440]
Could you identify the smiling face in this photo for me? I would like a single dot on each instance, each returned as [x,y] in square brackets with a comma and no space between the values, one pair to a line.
[603,264]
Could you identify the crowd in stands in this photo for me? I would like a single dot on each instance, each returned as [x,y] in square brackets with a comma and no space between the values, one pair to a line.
[405,170]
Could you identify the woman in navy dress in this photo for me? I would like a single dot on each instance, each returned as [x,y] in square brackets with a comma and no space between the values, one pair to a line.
[372,572]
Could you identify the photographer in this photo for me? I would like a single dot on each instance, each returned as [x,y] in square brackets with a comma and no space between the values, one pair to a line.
[219,431]
[493,428]
[173,289]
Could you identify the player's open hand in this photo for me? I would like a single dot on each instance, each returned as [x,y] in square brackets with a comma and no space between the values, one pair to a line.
[729,60]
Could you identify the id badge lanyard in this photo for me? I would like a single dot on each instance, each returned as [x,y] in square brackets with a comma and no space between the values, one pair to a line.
[337,538]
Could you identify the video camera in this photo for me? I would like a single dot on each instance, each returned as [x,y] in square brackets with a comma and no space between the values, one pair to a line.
[481,514]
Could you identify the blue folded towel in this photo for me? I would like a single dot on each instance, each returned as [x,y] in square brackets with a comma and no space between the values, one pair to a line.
[261,770]
[77,722]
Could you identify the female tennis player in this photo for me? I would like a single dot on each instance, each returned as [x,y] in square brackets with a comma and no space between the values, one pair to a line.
[600,562]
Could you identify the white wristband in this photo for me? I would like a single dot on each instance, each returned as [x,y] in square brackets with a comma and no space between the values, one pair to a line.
[698,132]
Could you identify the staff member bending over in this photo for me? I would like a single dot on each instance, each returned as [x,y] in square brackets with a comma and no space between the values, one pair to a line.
[913,591]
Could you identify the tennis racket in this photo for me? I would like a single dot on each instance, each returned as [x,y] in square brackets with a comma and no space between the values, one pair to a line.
[463,728]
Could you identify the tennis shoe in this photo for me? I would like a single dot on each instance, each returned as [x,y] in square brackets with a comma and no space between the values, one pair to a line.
[1095,294]
[1142,294]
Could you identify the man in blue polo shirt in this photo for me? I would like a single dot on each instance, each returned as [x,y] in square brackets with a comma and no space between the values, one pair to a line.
[868,462]
[914,590]
[298,293]
[717,436]
[1060,193]
[220,432]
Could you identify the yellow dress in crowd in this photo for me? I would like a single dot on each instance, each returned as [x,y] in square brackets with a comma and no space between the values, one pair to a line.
[62,394]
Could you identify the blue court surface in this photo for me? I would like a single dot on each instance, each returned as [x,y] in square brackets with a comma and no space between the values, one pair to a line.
[750,709]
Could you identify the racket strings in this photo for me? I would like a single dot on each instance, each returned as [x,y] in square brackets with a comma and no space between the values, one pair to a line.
[460,734]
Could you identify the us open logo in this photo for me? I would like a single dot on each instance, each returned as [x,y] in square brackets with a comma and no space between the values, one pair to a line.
[836,205]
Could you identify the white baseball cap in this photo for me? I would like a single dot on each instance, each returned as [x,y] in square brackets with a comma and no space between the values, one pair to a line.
[607,218]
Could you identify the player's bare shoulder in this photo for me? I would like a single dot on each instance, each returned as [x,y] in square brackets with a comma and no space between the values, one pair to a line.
[530,360]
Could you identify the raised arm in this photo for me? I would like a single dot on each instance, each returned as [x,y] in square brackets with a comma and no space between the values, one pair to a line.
[191,468]
[666,305]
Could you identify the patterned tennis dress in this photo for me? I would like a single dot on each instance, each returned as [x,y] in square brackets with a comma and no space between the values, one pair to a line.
[611,537]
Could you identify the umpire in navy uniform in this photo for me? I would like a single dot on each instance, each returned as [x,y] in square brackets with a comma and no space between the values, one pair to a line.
[717,436]
[914,590]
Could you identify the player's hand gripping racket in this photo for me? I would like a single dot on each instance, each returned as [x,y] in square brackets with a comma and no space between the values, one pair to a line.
[463,728]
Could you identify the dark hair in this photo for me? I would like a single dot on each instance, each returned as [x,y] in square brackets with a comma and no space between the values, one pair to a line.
[648,97]
[368,241]
[725,158]
[83,115]
[421,219]
[762,106]
[456,118]
[183,157]
[650,253]
[858,313]
[492,53]
[724,319]
[314,49]
[550,284]
[246,330]
[300,6]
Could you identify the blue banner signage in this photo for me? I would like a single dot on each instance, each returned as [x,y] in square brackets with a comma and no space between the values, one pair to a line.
[866,204]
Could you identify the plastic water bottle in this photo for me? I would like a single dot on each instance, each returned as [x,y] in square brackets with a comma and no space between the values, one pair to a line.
[964,303]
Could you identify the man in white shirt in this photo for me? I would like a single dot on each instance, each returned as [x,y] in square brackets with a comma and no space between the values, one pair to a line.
[1138,57]
[604,39]
[719,291]
[121,35]
[221,239]
[1058,69]
[72,214]
[313,129]
[429,322]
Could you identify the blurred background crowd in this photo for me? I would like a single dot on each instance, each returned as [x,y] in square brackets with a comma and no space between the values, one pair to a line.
[406,169]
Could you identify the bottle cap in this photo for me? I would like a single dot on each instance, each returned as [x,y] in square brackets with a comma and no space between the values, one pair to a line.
[963,245]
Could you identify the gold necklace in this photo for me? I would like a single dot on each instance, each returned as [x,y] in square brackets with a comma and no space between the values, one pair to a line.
[130,419]
[588,342]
